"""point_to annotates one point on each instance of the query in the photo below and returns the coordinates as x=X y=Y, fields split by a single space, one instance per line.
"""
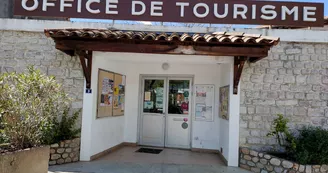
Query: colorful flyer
x=115 y=102
x=147 y=96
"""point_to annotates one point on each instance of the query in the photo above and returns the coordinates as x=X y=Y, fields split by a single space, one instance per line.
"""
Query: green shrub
x=311 y=146
x=62 y=128
x=28 y=104
x=282 y=134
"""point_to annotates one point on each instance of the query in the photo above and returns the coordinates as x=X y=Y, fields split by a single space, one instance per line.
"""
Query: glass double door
x=165 y=112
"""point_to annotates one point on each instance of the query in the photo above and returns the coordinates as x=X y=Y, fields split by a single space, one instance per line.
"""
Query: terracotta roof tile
x=210 y=38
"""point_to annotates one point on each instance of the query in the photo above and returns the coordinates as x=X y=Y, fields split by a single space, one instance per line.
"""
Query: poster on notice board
x=204 y=102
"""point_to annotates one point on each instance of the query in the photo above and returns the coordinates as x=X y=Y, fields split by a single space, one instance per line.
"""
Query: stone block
x=60 y=161
x=266 y=156
x=269 y=167
x=324 y=168
x=316 y=112
x=55 y=156
x=76 y=74
x=73 y=145
x=250 y=163
x=292 y=51
x=264 y=161
x=245 y=151
x=68 y=160
x=255 y=159
x=262 y=109
x=68 y=150
x=256 y=170
x=52 y=151
x=287 y=164
x=242 y=161
x=60 y=150
x=64 y=156
x=245 y=167
x=276 y=64
x=301 y=168
x=260 y=165
x=275 y=162
x=54 y=145
x=308 y=169
x=56 y=71
x=52 y=162
x=289 y=79
x=278 y=169
x=302 y=111
x=312 y=96
x=247 y=157
x=287 y=102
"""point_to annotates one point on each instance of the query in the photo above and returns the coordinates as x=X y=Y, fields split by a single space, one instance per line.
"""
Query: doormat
x=149 y=150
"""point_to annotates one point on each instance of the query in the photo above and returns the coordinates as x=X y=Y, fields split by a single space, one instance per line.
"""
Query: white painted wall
x=229 y=129
x=205 y=70
x=99 y=134
x=224 y=124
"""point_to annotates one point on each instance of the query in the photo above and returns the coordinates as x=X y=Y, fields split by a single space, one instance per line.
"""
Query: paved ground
x=126 y=160
x=102 y=166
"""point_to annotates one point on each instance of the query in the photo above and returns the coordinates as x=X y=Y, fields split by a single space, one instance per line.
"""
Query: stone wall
x=263 y=163
x=65 y=152
x=20 y=49
x=292 y=81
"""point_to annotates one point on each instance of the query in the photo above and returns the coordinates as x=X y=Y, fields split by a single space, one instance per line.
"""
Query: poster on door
x=204 y=102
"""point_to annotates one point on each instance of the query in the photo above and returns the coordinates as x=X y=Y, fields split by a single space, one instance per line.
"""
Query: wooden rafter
x=238 y=68
x=66 y=45
x=86 y=62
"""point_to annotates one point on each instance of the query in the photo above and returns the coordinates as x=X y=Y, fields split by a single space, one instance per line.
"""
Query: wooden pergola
x=82 y=42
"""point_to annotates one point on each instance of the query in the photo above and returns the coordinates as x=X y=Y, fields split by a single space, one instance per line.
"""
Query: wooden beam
x=86 y=65
x=238 y=69
x=159 y=48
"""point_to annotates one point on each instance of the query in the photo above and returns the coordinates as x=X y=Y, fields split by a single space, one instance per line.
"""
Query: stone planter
x=65 y=152
x=34 y=160
x=263 y=163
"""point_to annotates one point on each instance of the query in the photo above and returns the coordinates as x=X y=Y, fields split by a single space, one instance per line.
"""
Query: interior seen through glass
x=153 y=96
x=178 y=96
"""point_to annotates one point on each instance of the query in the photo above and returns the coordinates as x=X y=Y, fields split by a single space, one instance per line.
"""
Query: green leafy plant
x=28 y=104
x=311 y=146
x=62 y=128
x=282 y=134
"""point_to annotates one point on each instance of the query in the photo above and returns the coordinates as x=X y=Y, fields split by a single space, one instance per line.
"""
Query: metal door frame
x=190 y=110
x=141 y=99
x=166 y=78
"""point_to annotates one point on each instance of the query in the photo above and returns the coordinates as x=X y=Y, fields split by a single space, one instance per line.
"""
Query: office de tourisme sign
x=194 y=11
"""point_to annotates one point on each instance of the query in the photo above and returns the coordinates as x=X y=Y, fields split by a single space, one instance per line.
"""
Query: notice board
x=111 y=94
x=204 y=100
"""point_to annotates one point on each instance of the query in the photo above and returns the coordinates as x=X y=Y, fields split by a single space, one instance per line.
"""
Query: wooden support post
x=86 y=65
x=238 y=69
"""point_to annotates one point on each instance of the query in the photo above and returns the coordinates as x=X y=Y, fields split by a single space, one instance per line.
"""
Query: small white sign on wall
x=204 y=102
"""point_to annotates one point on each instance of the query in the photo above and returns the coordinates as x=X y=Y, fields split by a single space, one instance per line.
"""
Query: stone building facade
x=293 y=81
x=20 y=49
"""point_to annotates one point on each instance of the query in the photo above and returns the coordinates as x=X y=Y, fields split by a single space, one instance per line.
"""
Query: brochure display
x=204 y=102
x=111 y=94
